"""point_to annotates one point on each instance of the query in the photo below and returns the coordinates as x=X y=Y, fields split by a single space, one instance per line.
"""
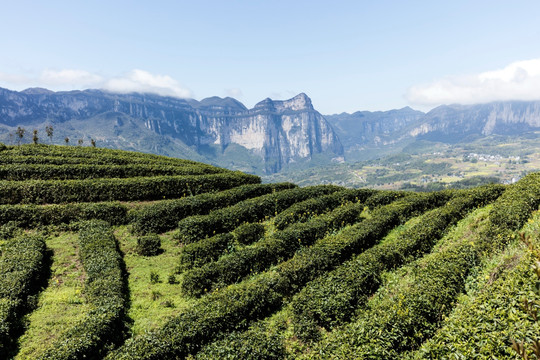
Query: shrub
x=413 y=314
x=272 y=250
x=197 y=227
x=29 y=216
x=207 y=250
x=105 y=289
x=40 y=171
x=303 y=211
x=236 y=306
x=164 y=215
x=483 y=326
x=171 y=279
x=248 y=233
x=148 y=245
x=332 y=298
x=250 y=345
x=8 y=230
x=154 y=277
x=21 y=264
x=92 y=190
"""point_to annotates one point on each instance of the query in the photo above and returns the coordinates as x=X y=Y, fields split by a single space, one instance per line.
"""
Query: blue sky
x=346 y=55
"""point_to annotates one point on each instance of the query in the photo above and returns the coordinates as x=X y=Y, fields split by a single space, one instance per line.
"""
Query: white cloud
x=234 y=93
x=14 y=79
x=143 y=81
x=71 y=79
x=519 y=80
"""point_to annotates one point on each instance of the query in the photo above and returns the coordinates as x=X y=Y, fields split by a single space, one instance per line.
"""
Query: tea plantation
x=107 y=254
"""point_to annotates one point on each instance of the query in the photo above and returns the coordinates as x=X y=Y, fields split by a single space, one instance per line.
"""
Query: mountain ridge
x=278 y=132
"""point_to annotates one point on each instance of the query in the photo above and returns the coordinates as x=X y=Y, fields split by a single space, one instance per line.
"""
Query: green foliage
x=403 y=321
x=54 y=154
x=150 y=188
x=248 y=345
x=165 y=215
x=514 y=208
x=230 y=309
x=154 y=277
x=412 y=315
x=303 y=211
x=29 y=216
x=197 y=227
x=202 y=252
x=236 y=306
x=148 y=245
x=301 y=264
x=248 y=233
x=485 y=323
x=105 y=290
x=92 y=171
x=332 y=298
x=171 y=279
x=8 y=229
x=21 y=264
x=270 y=251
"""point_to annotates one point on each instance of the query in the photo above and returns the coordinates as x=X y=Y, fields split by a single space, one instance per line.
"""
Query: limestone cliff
x=275 y=132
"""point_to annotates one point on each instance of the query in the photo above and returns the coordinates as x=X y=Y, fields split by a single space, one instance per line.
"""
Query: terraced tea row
x=130 y=189
x=22 y=261
x=239 y=269
x=84 y=171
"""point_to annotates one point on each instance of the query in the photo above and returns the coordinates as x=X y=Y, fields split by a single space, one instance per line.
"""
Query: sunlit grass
x=152 y=303
x=61 y=305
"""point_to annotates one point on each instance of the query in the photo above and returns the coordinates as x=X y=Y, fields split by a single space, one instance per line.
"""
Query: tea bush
x=332 y=298
x=22 y=261
x=164 y=215
x=92 y=190
x=105 y=289
x=148 y=245
x=304 y=210
x=197 y=227
x=270 y=251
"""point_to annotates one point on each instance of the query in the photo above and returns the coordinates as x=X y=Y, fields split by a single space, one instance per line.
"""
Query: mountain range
x=271 y=136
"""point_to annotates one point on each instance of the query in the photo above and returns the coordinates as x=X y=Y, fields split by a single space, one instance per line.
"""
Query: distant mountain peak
x=37 y=91
x=221 y=130
x=300 y=102
x=216 y=102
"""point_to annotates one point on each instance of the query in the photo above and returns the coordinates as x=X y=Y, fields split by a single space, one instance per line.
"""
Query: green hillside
x=107 y=254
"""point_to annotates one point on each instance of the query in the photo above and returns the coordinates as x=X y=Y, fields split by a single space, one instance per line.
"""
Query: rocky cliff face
x=375 y=128
x=275 y=132
x=453 y=123
x=447 y=123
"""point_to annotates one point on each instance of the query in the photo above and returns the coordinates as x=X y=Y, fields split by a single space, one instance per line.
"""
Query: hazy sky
x=345 y=55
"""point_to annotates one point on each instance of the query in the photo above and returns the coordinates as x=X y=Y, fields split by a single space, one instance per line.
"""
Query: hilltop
x=124 y=255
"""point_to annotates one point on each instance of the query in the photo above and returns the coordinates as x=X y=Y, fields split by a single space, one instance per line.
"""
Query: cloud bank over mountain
x=519 y=80
x=68 y=79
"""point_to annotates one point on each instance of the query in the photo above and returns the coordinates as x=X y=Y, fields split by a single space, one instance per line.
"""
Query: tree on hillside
x=20 y=133
x=49 y=130
x=66 y=139
x=93 y=142
x=35 y=137
x=80 y=142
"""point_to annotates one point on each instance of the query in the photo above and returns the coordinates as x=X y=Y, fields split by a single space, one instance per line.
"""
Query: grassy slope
x=62 y=303
x=151 y=303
